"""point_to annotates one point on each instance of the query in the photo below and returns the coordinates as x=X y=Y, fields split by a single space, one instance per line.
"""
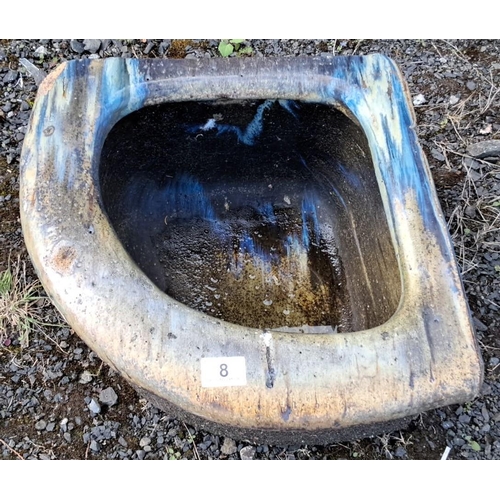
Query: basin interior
x=264 y=213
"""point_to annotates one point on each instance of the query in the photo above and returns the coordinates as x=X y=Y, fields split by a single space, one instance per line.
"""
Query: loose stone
x=11 y=76
x=41 y=51
x=95 y=446
x=247 y=453
x=464 y=419
x=228 y=447
x=40 y=425
x=85 y=377
x=94 y=406
x=144 y=442
x=91 y=45
x=77 y=46
x=484 y=149
x=108 y=396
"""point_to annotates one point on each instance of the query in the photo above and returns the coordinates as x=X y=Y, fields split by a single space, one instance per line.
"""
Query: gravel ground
x=59 y=401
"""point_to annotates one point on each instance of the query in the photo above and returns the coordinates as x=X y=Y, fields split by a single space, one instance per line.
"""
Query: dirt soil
x=55 y=397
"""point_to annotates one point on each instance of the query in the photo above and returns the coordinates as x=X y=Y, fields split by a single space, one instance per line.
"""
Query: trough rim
x=423 y=357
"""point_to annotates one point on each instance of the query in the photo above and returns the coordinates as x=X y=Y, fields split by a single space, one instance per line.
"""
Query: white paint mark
x=267 y=338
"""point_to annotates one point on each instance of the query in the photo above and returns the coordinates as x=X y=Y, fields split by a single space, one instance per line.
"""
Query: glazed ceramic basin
x=256 y=245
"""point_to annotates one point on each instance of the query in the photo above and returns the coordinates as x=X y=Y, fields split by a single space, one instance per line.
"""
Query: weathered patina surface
x=423 y=357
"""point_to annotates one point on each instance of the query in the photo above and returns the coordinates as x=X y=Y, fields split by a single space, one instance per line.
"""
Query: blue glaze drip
x=247 y=245
x=349 y=176
x=267 y=211
x=310 y=215
x=122 y=90
x=381 y=106
x=293 y=246
x=289 y=106
x=116 y=89
x=247 y=136
x=184 y=197
x=323 y=179
x=250 y=249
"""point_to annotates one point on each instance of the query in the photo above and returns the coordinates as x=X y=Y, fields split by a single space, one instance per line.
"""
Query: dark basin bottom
x=266 y=214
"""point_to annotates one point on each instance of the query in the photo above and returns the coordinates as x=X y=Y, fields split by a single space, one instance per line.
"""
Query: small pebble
x=10 y=76
x=77 y=46
x=485 y=414
x=91 y=45
x=40 y=425
x=108 y=396
x=85 y=377
x=144 y=442
x=479 y=325
x=465 y=419
x=400 y=452
x=419 y=100
x=484 y=149
x=41 y=51
x=94 y=406
x=228 y=447
x=247 y=453
x=95 y=446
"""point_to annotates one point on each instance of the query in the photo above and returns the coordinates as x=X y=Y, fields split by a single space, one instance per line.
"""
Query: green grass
x=21 y=305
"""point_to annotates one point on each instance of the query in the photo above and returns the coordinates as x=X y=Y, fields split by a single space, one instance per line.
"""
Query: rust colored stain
x=50 y=79
x=63 y=259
